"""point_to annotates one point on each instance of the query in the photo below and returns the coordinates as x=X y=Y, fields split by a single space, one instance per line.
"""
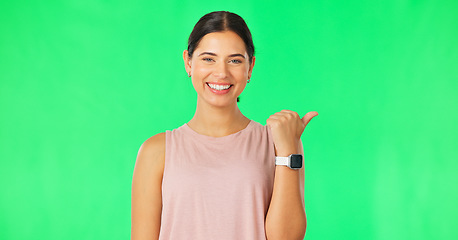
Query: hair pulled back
x=220 y=21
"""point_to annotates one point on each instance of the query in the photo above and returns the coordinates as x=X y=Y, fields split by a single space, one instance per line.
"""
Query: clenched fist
x=287 y=128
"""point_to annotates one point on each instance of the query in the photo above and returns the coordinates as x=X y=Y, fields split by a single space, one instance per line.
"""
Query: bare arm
x=286 y=215
x=147 y=189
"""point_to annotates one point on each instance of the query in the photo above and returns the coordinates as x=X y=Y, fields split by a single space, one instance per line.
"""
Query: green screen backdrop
x=84 y=83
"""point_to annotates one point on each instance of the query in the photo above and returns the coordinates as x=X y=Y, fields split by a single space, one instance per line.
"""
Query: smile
x=219 y=88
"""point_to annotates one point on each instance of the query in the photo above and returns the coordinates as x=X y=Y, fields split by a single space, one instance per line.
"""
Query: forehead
x=222 y=42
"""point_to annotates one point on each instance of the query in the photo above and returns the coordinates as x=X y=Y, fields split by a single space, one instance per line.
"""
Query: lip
x=218 y=92
x=219 y=83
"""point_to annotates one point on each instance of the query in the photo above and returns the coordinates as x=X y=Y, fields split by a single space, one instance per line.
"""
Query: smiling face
x=219 y=67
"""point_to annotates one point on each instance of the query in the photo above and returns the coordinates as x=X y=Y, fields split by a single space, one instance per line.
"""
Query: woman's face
x=219 y=68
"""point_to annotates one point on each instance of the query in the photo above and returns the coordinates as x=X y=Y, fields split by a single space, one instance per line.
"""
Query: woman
x=215 y=177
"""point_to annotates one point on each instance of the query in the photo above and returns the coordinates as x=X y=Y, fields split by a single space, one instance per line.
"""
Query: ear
x=187 y=61
x=251 y=67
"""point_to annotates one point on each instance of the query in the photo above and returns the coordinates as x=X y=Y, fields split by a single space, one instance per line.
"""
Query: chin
x=221 y=102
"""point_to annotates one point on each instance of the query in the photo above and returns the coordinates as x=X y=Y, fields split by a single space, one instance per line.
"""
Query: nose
x=220 y=70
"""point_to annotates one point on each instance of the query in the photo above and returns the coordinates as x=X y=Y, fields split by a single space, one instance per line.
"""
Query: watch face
x=296 y=161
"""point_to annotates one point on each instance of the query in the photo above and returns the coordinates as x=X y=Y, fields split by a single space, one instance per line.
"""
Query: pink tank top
x=217 y=188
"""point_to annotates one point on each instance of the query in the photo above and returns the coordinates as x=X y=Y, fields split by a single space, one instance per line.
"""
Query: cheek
x=202 y=69
x=240 y=73
x=197 y=85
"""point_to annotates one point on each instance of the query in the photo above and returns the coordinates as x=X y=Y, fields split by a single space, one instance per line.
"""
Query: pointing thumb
x=306 y=119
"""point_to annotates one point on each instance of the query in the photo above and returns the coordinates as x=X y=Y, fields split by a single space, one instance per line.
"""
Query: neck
x=217 y=121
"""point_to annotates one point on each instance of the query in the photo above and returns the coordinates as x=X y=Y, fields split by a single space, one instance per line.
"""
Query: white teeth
x=219 y=87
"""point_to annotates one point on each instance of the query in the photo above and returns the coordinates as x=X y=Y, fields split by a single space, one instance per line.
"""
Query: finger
x=272 y=119
x=306 y=119
x=289 y=114
x=279 y=115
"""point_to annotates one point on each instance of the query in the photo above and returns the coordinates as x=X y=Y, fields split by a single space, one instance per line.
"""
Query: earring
x=189 y=74
x=248 y=80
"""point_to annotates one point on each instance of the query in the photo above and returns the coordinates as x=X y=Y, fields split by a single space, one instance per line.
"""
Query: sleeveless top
x=217 y=187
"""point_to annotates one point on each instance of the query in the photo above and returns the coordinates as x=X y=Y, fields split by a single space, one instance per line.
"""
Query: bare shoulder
x=154 y=144
x=151 y=154
x=146 y=188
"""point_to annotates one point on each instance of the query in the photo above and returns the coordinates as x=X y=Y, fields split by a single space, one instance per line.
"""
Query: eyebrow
x=214 y=54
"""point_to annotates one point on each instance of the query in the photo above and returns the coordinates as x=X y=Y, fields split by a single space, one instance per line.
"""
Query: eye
x=236 y=61
x=207 y=59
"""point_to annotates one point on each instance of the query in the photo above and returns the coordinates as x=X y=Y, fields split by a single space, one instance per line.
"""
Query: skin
x=221 y=57
x=218 y=115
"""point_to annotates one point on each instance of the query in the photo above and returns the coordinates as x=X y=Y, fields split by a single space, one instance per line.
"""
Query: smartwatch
x=293 y=161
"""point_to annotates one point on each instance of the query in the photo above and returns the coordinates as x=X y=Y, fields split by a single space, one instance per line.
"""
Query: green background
x=84 y=83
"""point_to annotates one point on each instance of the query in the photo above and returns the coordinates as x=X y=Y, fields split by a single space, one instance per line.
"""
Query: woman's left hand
x=287 y=128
